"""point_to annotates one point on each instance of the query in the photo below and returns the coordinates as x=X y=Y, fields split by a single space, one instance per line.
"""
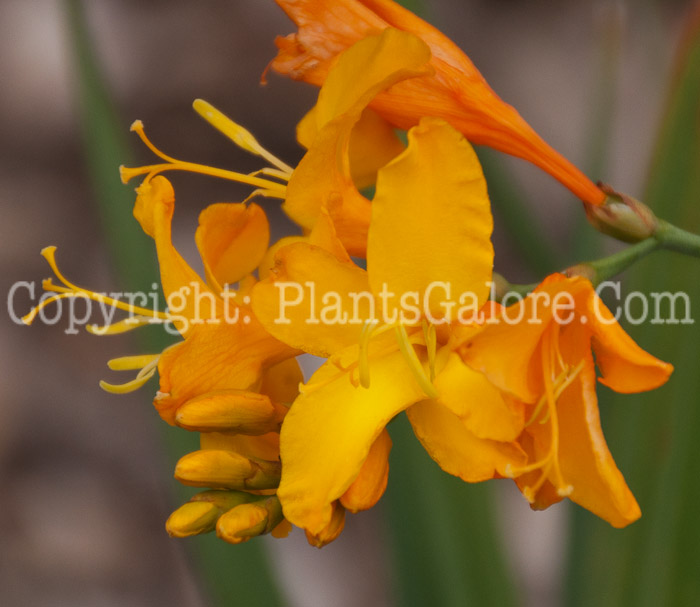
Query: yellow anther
x=273 y=188
x=238 y=134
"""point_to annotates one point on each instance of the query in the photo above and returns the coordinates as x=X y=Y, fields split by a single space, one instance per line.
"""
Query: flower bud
x=332 y=530
x=192 y=518
x=229 y=411
x=622 y=217
x=226 y=470
x=250 y=520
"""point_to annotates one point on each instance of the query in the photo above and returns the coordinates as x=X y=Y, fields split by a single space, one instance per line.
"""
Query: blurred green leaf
x=654 y=436
x=447 y=548
x=234 y=574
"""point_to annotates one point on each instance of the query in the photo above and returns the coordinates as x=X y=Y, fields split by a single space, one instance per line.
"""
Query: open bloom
x=455 y=91
x=540 y=351
x=333 y=438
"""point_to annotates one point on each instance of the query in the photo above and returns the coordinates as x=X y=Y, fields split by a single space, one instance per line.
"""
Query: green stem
x=675 y=239
x=607 y=267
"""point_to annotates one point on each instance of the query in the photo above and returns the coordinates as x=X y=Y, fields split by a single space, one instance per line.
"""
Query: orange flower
x=456 y=91
x=541 y=351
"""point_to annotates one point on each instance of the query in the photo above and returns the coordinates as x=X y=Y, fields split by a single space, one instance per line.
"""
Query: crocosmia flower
x=543 y=351
x=455 y=91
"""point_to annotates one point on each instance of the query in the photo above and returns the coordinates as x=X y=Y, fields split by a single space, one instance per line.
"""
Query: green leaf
x=446 y=545
x=654 y=436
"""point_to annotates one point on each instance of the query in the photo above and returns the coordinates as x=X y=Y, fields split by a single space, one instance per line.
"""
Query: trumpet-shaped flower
x=548 y=364
x=455 y=90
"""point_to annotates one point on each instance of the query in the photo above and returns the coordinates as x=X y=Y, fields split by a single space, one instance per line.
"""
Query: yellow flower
x=548 y=364
x=431 y=221
x=455 y=91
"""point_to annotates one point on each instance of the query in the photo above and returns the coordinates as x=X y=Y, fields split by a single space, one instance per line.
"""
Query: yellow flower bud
x=226 y=470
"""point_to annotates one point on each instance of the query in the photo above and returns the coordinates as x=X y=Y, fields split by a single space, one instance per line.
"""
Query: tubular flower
x=455 y=91
x=549 y=365
x=384 y=362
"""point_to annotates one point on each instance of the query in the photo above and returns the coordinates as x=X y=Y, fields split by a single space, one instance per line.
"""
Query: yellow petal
x=329 y=430
x=369 y=486
x=485 y=411
x=323 y=175
x=431 y=220
x=306 y=303
x=370 y=66
x=373 y=143
x=456 y=449
x=232 y=240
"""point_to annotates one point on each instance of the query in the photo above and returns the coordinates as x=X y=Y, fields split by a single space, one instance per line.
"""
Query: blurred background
x=87 y=477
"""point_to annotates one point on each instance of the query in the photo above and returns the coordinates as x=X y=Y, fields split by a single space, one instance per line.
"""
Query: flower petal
x=293 y=302
x=366 y=490
x=484 y=410
x=586 y=462
x=324 y=173
x=186 y=293
x=232 y=239
x=223 y=356
x=329 y=430
x=434 y=192
x=456 y=449
x=624 y=366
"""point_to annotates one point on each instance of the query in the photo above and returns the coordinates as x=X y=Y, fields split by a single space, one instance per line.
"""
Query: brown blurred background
x=86 y=484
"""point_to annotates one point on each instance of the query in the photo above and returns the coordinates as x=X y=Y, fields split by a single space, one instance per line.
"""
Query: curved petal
x=624 y=365
x=367 y=489
x=586 y=462
x=232 y=239
x=483 y=409
x=328 y=433
x=437 y=189
x=370 y=66
x=456 y=449
x=373 y=143
x=307 y=303
x=187 y=295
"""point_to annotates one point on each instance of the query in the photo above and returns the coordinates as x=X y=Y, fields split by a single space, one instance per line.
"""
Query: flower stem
x=675 y=239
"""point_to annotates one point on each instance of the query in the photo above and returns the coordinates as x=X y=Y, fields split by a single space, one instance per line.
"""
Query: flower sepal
x=622 y=217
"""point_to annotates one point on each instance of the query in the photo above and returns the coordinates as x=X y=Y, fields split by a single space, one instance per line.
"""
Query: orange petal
x=232 y=240
x=586 y=462
x=224 y=356
x=624 y=365
x=187 y=295
x=366 y=490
